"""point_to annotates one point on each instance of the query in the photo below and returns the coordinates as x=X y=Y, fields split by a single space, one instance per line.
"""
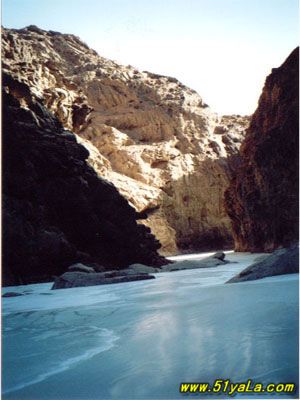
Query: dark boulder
x=219 y=255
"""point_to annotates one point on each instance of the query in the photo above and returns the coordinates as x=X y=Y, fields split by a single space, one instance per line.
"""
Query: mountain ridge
x=150 y=135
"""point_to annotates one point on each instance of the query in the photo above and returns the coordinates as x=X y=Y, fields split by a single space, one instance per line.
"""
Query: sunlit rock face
x=56 y=210
x=153 y=137
x=262 y=200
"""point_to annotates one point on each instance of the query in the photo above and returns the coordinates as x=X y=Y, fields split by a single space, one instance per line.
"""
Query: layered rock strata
x=153 y=137
x=262 y=200
x=56 y=210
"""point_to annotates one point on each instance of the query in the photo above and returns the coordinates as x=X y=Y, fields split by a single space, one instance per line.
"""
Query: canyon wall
x=151 y=136
x=262 y=200
x=56 y=210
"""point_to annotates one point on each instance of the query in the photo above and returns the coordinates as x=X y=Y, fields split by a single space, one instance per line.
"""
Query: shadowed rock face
x=56 y=210
x=262 y=200
x=152 y=137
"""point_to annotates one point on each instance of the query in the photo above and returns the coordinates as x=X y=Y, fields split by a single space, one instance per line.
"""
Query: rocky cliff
x=262 y=200
x=153 y=137
x=56 y=210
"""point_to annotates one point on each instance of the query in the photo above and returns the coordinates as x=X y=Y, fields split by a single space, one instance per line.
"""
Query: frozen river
x=140 y=340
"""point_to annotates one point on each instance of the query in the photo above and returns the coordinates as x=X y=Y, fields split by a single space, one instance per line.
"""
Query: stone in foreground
x=82 y=279
x=281 y=262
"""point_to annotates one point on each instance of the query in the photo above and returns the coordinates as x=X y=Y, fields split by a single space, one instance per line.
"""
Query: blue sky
x=222 y=48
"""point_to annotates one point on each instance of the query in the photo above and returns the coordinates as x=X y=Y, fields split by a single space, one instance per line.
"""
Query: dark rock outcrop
x=219 y=255
x=262 y=200
x=56 y=210
x=281 y=262
x=81 y=279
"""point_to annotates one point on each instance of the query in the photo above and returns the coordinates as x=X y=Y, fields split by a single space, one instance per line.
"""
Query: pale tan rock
x=150 y=135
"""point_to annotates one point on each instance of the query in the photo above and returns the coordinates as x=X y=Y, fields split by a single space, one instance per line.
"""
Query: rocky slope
x=56 y=210
x=262 y=200
x=154 y=138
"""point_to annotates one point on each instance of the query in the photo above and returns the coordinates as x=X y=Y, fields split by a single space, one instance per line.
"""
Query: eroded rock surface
x=262 y=200
x=153 y=137
x=56 y=210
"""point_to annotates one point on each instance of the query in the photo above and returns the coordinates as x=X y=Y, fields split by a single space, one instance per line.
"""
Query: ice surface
x=199 y=256
x=140 y=340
